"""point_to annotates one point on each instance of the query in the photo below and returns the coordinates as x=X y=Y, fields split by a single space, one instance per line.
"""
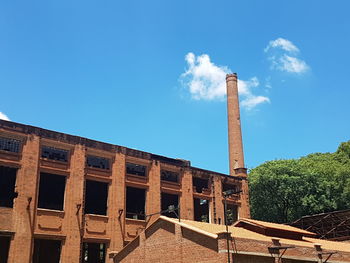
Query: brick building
x=250 y=241
x=65 y=198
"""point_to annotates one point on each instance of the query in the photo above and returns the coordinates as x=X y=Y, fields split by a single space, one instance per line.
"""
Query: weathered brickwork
x=26 y=223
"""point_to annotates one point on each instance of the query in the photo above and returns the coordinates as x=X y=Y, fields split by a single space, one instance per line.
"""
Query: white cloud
x=3 y=116
x=292 y=64
x=282 y=43
x=287 y=60
x=207 y=81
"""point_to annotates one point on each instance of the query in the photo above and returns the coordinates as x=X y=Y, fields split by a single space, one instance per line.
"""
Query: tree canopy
x=285 y=190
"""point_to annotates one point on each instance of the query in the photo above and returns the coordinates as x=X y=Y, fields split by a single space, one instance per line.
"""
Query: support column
x=186 y=199
x=153 y=204
x=73 y=214
x=25 y=204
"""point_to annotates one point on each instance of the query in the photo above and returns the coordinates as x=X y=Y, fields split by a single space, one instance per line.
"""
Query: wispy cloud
x=282 y=43
x=206 y=81
x=3 y=116
x=283 y=55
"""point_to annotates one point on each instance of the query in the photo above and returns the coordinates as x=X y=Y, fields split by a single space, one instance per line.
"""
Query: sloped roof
x=213 y=230
x=274 y=226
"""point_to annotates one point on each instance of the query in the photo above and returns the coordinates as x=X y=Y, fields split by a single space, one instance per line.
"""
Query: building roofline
x=74 y=139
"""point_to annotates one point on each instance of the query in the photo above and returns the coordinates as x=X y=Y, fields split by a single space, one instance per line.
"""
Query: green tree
x=284 y=190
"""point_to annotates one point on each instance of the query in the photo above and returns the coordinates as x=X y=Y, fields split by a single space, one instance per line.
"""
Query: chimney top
x=230 y=76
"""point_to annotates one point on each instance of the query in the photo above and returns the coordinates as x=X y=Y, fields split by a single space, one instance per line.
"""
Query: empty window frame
x=136 y=169
x=135 y=203
x=46 y=250
x=7 y=186
x=96 y=195
x=51 y=191
x=231 y=214
x=94 y=253
x=200 y=183
x=201 y=210
x=54 y=154
x=97 y=162
x=4 y=248
x=228 y=186
x=10 y=145
x=168 y=200
x=169 y=176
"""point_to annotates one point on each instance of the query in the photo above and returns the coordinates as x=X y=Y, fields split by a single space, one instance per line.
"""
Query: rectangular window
x=51 y=191
x=227 y=186
x=4 y=248
x=97 y=162
x=169 y=176
x=54 y=154
x=96 y=196
x=9 y=145
x=46 y=250
x=169 y=200
x=7 y=186
x=136 y=169
x=201 y=210
x=135 y=203
x=94 y=253
x=232 y=214
x=200 y=183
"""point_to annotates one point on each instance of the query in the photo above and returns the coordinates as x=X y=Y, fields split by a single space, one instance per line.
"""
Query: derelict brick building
x=71 y=199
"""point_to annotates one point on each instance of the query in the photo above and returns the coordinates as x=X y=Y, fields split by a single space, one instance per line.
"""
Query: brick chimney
x=235 y=145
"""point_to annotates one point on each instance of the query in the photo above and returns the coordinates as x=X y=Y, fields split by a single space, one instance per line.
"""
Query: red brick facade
x=25 y=224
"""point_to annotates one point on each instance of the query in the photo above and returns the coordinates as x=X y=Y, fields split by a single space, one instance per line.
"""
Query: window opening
x=169 y=176
x=135 y=203
x=167 y=200
x=94 y=252
x=54 y=154
x=96 y=196
x=232 y=214
x=201 y=210
x=7 y=186
x=227 y=186
x=200 y=184
x=97 y=162
x=9 y=145
x=4 y=248
x=51 y=191
x=135 y=169
x=46 y=250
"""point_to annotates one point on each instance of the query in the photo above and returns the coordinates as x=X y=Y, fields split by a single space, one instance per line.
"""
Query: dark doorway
x=94 y=253
x=201 y=210
x=51 y=191
x=4 y=248
x=135 y=203
x=167 y=200
x=96 y=197
x=7 y=186
x=46 y=251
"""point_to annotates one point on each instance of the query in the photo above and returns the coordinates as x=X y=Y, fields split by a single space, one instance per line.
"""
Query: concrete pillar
x=23 y=211
x=72 y=223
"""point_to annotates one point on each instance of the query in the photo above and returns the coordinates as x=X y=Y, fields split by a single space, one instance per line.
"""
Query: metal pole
x=227 y=233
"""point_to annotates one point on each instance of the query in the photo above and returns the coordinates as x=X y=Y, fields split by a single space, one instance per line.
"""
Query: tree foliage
x=284 y=190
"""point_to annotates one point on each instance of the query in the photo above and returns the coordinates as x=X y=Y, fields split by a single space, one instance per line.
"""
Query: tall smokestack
x=235 y=143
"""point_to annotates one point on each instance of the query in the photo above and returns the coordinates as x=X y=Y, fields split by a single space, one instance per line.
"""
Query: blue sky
x=147 y=74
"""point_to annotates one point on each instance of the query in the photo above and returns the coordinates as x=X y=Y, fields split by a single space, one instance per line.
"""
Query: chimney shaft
x=235 y=143
x=234 y=125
